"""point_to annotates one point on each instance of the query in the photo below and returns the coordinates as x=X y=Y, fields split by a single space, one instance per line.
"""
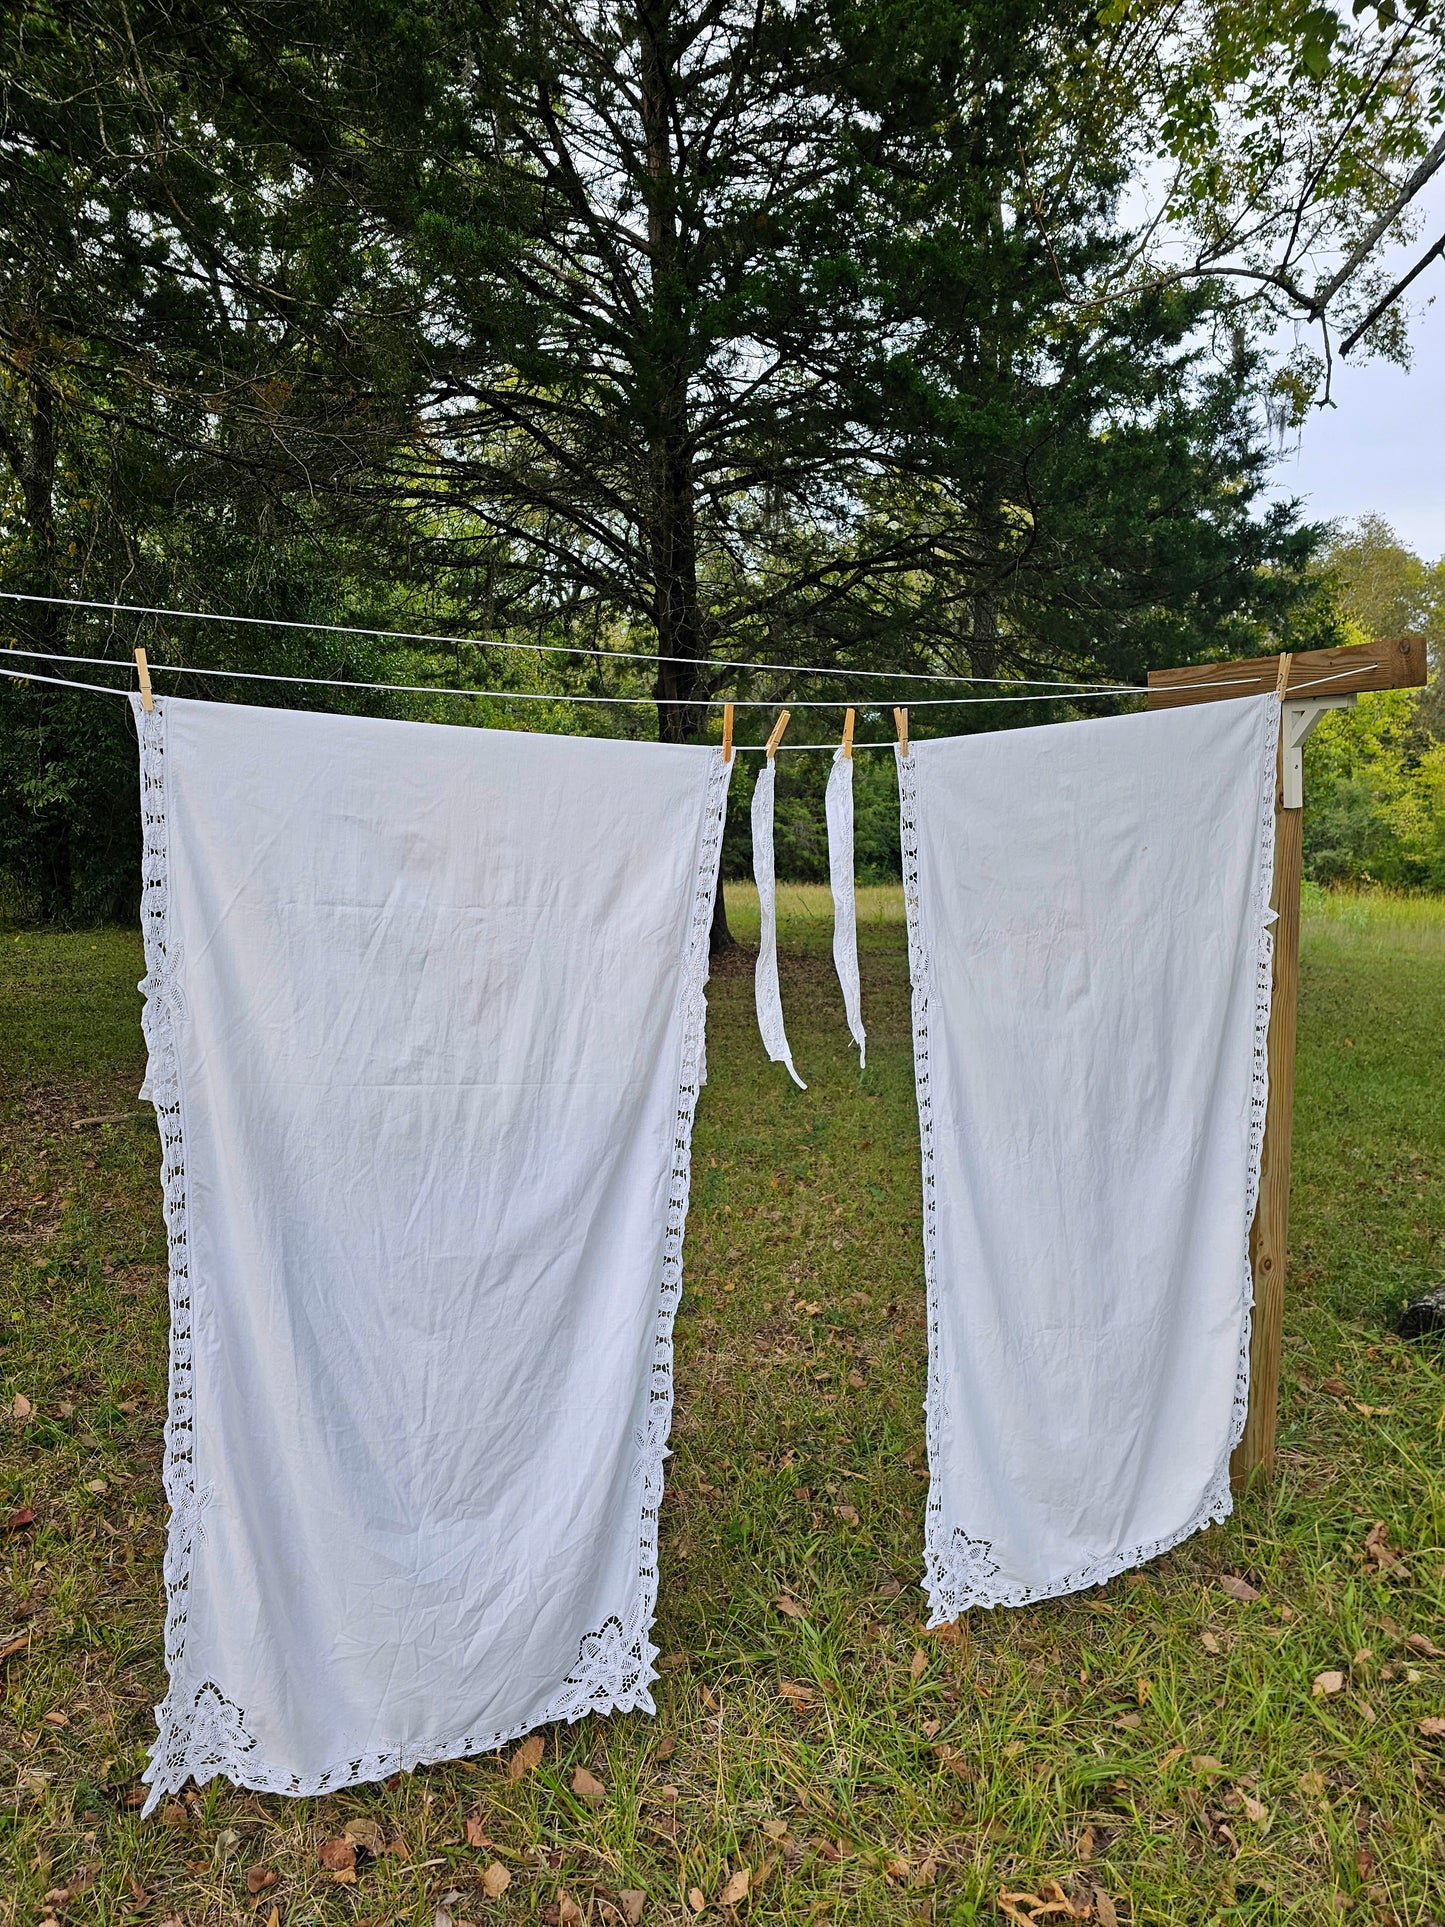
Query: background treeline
x=926 y=338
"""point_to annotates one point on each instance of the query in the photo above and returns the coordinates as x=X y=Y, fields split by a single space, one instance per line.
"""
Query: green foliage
x=1375 y=774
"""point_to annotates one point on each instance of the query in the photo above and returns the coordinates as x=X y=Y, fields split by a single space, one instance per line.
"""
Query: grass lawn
x=1156 y=1747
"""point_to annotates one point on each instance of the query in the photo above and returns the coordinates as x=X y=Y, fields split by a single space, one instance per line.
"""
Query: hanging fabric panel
x=1088 y=919
x=766 y=994
x=425 y=1017
x=838 y=809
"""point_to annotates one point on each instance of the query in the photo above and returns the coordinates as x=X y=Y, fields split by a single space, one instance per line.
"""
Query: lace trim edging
x=959 y=1570
x=200 y=1732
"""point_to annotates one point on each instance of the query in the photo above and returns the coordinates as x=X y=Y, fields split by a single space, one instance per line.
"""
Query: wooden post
x=1312 y=672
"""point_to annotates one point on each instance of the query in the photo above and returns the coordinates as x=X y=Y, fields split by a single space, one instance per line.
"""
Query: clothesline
x=526 y=648
x=539 y=696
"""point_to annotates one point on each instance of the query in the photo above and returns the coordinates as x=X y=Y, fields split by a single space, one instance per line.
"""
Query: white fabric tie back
x=766 y=993
x=1088 y=922
x=838 y=808
x=425 y=1017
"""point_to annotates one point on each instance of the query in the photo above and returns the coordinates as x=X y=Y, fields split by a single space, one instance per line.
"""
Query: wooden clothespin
x=727 y=732
x=848 y=735
x=1286 y=663
x=900 y=718
x=142 y=669
x=777 y=736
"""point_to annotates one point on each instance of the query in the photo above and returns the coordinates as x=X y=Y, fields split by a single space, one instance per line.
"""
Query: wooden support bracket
x=1318 y=679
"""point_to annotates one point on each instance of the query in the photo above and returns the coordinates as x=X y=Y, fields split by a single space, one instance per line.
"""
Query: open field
x=1157 y=1747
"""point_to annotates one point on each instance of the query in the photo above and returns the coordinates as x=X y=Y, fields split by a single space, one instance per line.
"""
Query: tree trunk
x=53 y=869
x=682 y=684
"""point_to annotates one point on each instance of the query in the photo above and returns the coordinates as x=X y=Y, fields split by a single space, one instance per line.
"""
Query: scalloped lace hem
x=202 y=1733
x=959 y=1571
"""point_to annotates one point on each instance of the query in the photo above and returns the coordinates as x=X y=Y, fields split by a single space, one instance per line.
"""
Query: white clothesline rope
x=526 y=648
x=537 y=696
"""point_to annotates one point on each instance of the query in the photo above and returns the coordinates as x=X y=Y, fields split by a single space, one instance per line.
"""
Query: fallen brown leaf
x=22 y=1516
x=569 y=1914
x=258 y=1879
x=665 y=1747
x=367 y=1834
x=633 y=1900
x=785 y=1603
x=495 y=1880
x=1104 y=1910
x=1336 y=1387
x=1237 y=1588
x=589 y=1788
x=695 y=1899
x=1326 y=1683
x=336 y=1855
x=527 y=1758
x=895 y=1867
x=798 y=1697
x=1254 y=1810
x=21 y=1407
x=1312 y=1783
x=1206 y=1763
x=1433 y=1729
x=918 y=1665
x=475 y=1830
x=736 y=1889
x=775 y=1829
x=1417 y=1642
x=1210 y=1643
x=1085 y=1844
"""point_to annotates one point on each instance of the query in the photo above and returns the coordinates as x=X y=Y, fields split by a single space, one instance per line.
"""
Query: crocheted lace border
x=959 y=1570
x=200 y=1731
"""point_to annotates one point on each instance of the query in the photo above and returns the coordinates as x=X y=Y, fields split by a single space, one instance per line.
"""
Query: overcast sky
x=1382 y=446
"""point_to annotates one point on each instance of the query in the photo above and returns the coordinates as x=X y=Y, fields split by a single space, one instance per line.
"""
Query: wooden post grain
x=1269 y=1238
x=1355 y=670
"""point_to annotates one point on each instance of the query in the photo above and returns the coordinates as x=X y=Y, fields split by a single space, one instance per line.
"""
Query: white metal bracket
x=1298 y=717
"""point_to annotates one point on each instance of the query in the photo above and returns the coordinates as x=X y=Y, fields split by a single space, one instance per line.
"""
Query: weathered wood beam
x=1348 y=671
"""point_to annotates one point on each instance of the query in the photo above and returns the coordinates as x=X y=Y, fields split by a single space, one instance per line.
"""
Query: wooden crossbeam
x=1348 y=671
x=1312 y=673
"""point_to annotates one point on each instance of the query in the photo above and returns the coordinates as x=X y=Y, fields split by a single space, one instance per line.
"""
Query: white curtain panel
x=1089 y=931
x=425 y=1019
x=838 y=809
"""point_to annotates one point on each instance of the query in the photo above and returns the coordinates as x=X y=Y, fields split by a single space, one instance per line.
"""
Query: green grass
x=1153 y=1740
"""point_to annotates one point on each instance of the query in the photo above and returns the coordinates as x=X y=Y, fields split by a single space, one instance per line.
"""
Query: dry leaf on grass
x=527 y=1758
x=589 y=1788
x=1104 y=1909
x=737 y=1888
x=775 y=1829
x=21 y=1517
x=800 y=1698
x=633 y=1900
x=569 y=1914
x=1206 y=1763
x=695 y=1899
x=1210 y=1643
x=365 y=1833
x=475 y=1829
x=1380 y=1556
x=337 y=1856
x=1417 y=1642
x=794 y=1609
x=1313 y=1784
x=21 y=1407
x=665 y=1747
x=1255 y=1810
x=1326 y=1683
x=495 y=1880
x=918 y=1665
x=1237 y=1588
x=1433 y=1729
x=258 y=1879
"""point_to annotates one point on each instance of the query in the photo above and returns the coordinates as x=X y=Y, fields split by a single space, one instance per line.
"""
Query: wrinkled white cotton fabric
x=425 y=1011
x=838 y=809
x=767 y=998
x=1088 y=910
